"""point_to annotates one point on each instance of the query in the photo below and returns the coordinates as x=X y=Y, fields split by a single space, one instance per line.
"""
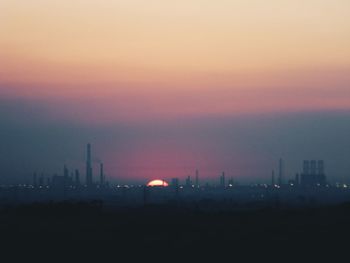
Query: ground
x=88 y=231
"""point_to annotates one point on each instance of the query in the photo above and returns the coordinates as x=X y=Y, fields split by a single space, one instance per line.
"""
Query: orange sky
x=170 y=58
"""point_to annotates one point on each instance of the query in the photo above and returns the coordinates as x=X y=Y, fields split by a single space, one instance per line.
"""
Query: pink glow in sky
x=136 y=62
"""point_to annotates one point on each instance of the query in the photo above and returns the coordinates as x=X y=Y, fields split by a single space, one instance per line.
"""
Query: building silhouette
x=41 y=181
x=65 y=172
x=297 y=179
x=313 y=173
x=231 y=182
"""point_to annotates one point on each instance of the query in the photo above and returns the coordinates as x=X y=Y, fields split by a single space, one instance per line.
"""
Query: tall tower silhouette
x=222 y=180
x=102 y=176
x=88 y=166
x=280 y=172
x=197 y=178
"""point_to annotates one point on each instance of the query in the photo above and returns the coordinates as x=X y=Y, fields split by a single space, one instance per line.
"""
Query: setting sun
x=158 y=182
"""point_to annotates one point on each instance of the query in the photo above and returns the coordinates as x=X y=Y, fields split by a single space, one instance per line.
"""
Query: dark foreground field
x=75 y=232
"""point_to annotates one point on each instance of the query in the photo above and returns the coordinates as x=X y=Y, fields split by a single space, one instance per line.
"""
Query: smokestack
x=101 y=175
x=188 y=181
x=88 y=166
x=197 y=178
x=77 y=178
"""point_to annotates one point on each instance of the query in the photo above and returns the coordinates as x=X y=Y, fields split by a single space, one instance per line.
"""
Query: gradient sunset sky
x=163 y=87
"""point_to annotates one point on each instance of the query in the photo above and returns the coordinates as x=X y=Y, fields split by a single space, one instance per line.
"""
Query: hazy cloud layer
x=246 y=147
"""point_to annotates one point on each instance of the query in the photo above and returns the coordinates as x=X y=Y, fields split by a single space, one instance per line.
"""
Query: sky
x=161 y=88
